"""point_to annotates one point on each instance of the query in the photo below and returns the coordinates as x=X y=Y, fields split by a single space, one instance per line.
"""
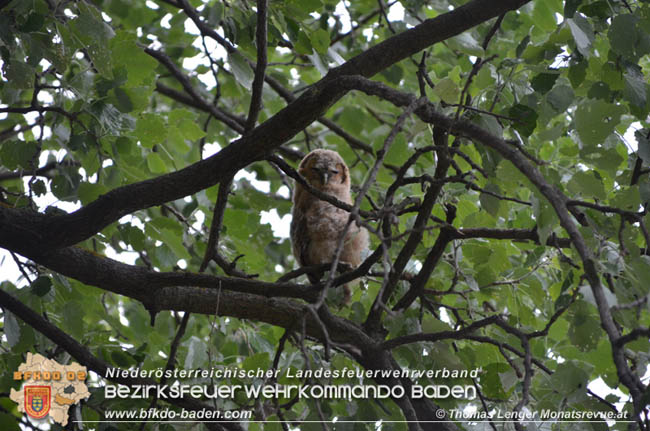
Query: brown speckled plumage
x=316 y=225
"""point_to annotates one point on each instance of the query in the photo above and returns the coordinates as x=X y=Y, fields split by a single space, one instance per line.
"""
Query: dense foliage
x=501 y=150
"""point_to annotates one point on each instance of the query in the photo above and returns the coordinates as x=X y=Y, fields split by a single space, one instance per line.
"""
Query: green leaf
x=90 y=28
x=190 y=130
x=156 y=164
x=352 y=119
x=582 y=32
x=489 y=123
x=644 y=190
x=544 y=82
x=640 y=271
x=320 y=41
x=545 y=217
x=584 y=330
x=259 y=361
x=544 y=17
x=33 y=23
x=525 y=119
x=521 y=48
x=135 y=237
x=570 y=376
x=447 y=90
x=570 y=7
x=150 y=129
x=596 y=119
x=622 y=34
x=599 y=9
x=89 y=192
x=39 y=188
x=20 y=74
x=73 y=315
x=635 y=87
x=577 y=73
x=122 y=100
x=176 y=140
x=303 y=44
x=41 y=286
x=492 y=381
x=64 y=186
x=175 y=243
x=94 y=33
x=484 y=78
x=466 y=44
x=240 y=68
x=627 y=198
x=587 y=184
x=16 y=154
x=121 y=359
x=124 y=145
x=561 y=97
x=140 y=67
x=305 y=7
x=178 y=115
x=489 y=202
x=599 y=90
x=643 y=144
x=398 y=152
x=608 y=160
x=196 y=353
x=430 y=324
x=393 y=74
x=11 y=329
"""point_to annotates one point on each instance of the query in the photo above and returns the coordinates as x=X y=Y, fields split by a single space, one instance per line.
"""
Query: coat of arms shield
x=37 y=401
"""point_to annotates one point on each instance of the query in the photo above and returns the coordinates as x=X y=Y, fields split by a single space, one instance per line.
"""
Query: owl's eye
x=334 y=171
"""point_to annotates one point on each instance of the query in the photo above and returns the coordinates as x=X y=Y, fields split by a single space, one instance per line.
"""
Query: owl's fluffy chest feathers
x=323 y=219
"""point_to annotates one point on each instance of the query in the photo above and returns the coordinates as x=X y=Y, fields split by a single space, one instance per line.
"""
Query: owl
x=316 y=225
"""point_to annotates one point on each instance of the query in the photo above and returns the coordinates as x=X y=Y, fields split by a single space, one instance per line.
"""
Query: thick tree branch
x=142 y=283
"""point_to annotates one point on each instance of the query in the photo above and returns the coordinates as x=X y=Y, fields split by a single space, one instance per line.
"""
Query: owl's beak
x=324 y=177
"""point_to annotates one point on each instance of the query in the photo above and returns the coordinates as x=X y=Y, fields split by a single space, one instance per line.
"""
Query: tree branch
x=190 y=90
x=260 y=67
x=42 y=171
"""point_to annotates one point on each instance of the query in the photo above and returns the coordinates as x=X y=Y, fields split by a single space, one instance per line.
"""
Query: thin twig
x=260 y=67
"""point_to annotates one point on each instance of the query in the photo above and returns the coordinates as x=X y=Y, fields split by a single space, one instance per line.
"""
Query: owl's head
x=325 y=170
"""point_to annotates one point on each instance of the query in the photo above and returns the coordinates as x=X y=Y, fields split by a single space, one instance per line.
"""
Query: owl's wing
x=301 y=242
x=300 y=238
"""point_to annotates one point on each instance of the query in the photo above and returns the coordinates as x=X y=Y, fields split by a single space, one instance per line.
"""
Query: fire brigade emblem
x=37 y=401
